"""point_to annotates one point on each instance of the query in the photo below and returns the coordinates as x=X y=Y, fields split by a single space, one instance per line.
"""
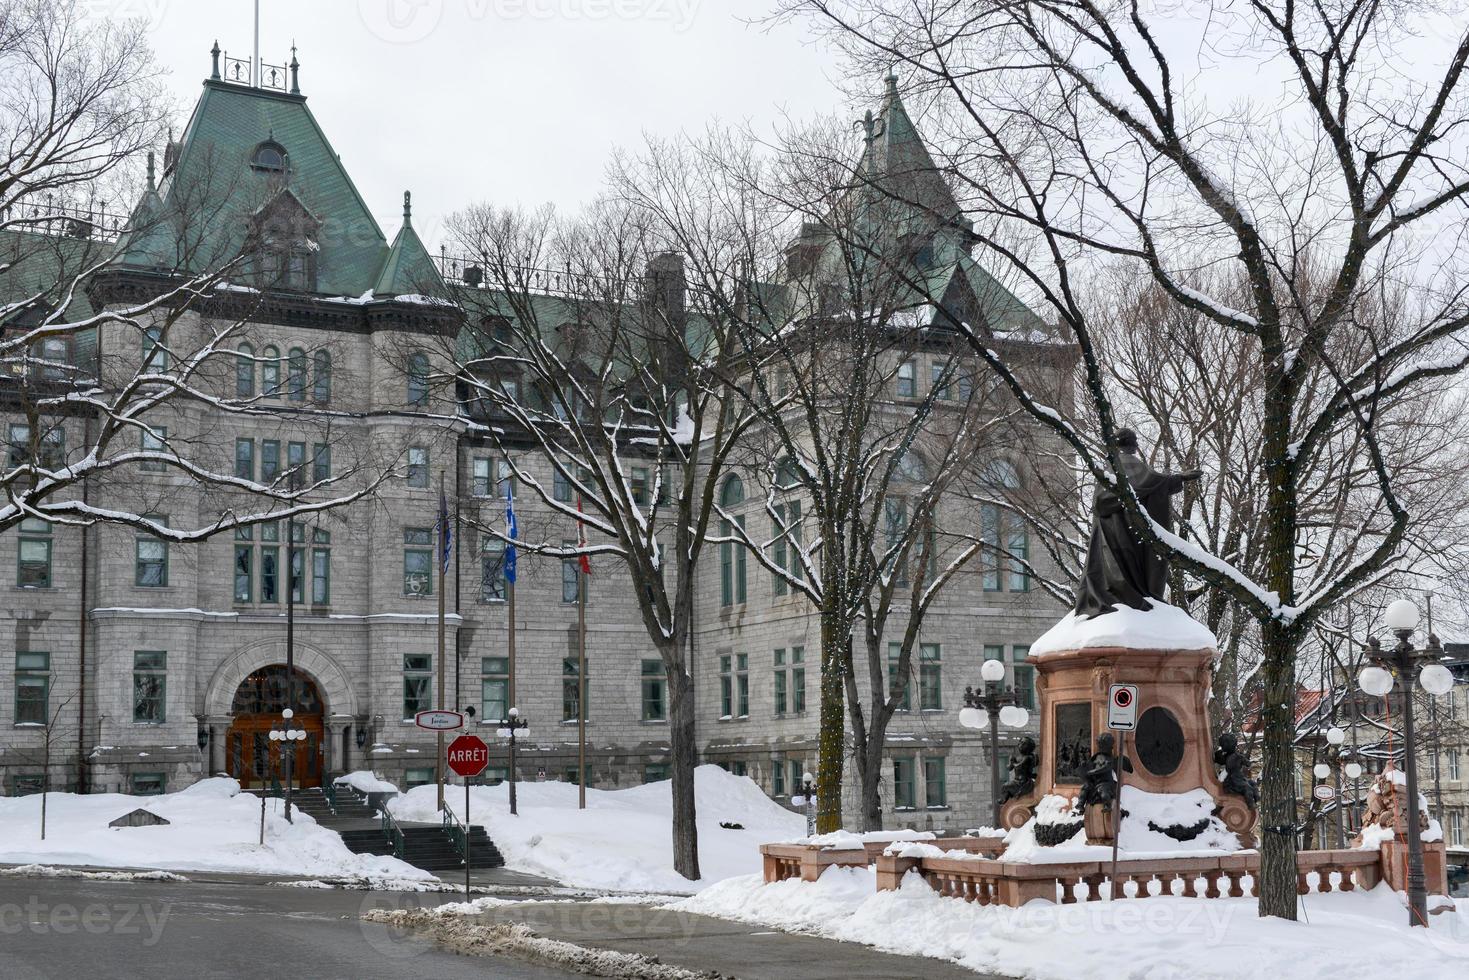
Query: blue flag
x=446 y=533
x=511 y=532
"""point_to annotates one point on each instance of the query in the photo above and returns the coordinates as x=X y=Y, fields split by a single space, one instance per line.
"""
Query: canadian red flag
x=584 y=560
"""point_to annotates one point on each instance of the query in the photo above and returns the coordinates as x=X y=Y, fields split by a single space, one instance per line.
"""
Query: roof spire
x=407 y=206
x=214 y=56
x=295 y=71
x=150 y=170
x=892 y=80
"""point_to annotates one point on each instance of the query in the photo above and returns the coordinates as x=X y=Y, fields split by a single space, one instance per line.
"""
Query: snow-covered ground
x=1338 y=935
x=211 y=828
x=623 y=840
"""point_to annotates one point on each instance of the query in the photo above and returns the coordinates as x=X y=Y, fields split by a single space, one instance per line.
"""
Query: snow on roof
x=1163 y=627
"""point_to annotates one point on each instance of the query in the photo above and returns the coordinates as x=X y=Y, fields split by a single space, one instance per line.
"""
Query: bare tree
x=1078 y=128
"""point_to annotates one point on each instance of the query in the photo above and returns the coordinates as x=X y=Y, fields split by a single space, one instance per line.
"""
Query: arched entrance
x=250 y=755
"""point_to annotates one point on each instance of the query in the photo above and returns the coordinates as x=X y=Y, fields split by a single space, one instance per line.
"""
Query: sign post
x=1121 y=718
x=468 y=755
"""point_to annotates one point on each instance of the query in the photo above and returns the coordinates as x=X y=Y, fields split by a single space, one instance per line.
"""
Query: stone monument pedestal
x=1171 y=751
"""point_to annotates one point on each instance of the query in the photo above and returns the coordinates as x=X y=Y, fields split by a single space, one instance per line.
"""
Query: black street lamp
x=1410 y=663
x=511 y=723
x=808 y=801
x=1001 y=704
x=288 y=734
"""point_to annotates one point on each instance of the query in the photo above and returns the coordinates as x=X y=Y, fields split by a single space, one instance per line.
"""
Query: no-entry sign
x=1122 y=707
x=468 y=755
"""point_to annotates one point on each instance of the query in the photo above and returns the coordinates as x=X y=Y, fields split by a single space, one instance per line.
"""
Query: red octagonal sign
x=468 y=755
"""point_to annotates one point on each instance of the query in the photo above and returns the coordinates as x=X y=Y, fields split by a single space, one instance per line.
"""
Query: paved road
x=69 y=929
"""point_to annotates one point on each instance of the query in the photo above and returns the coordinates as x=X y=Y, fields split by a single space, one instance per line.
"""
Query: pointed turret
x=409 y=270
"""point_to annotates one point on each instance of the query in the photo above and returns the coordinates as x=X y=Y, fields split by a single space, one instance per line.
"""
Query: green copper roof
x=212 y=190
x=409 y=269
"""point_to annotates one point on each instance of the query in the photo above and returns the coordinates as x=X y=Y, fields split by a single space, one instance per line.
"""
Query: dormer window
x=269 y=156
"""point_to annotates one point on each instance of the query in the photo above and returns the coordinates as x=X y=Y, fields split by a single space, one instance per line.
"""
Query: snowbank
x=211 y=828
x=365 y=782
x=1138 y=841
x=1163 y=627
x=1169 y=938
x=846 y=840
x=623 y=839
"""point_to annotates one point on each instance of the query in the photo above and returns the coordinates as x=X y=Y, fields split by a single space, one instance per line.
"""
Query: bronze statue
x=1099 y=777
x=1236 y=770
x=1120 y=569
x=1022 y=771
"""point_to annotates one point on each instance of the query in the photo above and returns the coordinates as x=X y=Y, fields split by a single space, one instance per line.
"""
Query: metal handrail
x=329 y=793
x=394 y=832
x=457 y=832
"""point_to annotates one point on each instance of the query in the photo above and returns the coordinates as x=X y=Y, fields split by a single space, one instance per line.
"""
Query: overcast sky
x=509 y=101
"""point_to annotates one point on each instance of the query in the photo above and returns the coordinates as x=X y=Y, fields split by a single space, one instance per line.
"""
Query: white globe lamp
x=1375 y=681
x=1322 y=770
x=1436 y=679
x=1401 y=616
x=288 y=714
x=1013 y=716
x=1353 y=770
x=992 y=671
x=971 y=717
x=1335 y=735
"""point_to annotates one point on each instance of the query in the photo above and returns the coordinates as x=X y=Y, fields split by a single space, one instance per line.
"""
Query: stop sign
x=468 y=755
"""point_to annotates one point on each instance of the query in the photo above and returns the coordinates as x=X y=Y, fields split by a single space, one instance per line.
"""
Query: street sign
x=1122 y=707
x=1324 y=793
x=468 y=755
x=439 y=721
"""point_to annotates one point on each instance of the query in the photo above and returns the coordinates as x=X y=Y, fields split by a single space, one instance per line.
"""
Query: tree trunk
x=685 y=753
x=870 y=773
x=831 y=736
x=1277 y=787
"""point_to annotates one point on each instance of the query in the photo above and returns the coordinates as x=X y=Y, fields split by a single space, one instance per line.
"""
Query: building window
x=155 y=354
x=899 y=683
x=655 y=691
x=572 y=580
x=787 y=531
x=782 y=698
x=32 y=687
x=726 y=687
x=270 y=157
x=1454 y=765
x=640 y=486
x=417 y=777
x=654 y=772
x=1018 y=546
x=150 y=683
x=417 y=466
x=734 y=686
x=27 y=784
x=798 y=679
x=935 y=787
x=154 y=440
x=907 y=380
x=296 y=461
x=732 y=588
x=244 y=568
x=494 y=687
x=321 y=462
x=52 y=449
x=150 y=565
x=245 y=459
x=492 y=569
x=418 y=561
x=321 y=567
x=742 y=685
x=1456 y=829
x=1024 y=675
x=480 y=477
x=418 y=684
x=296 y=375
x=245 y=372
x=148 y=783
x=895 y=526
x=321 y=377
x=903 y=789
x=777 y=778
x=571 y=691
x=270 y=563
x=561 y=486
x=33 y=554
x=569 y=775
x=930 y=678
x=270 y=460
x=989 y=536
x=270 y=372
x=418 y=379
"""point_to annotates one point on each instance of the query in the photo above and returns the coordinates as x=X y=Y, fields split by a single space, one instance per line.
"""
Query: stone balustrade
x=808 y=861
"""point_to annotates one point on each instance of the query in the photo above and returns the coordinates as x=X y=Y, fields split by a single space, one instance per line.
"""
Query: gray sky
x=509 y=101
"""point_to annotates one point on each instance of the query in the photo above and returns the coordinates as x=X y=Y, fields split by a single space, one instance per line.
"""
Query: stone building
x=146 y=664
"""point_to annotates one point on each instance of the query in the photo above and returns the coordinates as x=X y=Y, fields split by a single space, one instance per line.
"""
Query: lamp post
x=513 y=724
x=808 y=797
x=1410 y=663
x=1001 y=704
x=288 y=734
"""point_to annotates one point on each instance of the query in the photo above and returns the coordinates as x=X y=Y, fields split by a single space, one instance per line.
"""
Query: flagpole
x=583 y=568
x=510 y=532
x=439 y=561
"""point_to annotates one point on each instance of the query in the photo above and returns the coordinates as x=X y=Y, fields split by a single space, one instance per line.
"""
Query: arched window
x=270 y=372
x=786 y=474
x=245 y=372
x=296 y=374
x=321 y=390
x=418 y=379
x=269 y=156
x=732 y=580
x=911 y=468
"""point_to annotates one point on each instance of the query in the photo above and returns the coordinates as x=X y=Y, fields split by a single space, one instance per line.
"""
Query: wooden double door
x=250 y=754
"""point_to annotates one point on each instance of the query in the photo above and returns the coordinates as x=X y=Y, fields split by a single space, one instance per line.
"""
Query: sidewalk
x=734 y=949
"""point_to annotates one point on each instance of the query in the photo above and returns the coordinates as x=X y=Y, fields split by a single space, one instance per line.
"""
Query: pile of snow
x=211 y=827
x=846 y=840
x=623 y=840
x=1170 y=938
x=1171 y=810
x=365 y=782
x=1163 y=627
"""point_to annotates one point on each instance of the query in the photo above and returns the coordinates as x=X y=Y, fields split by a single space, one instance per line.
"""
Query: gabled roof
x=897 y=160
x=211 y=189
